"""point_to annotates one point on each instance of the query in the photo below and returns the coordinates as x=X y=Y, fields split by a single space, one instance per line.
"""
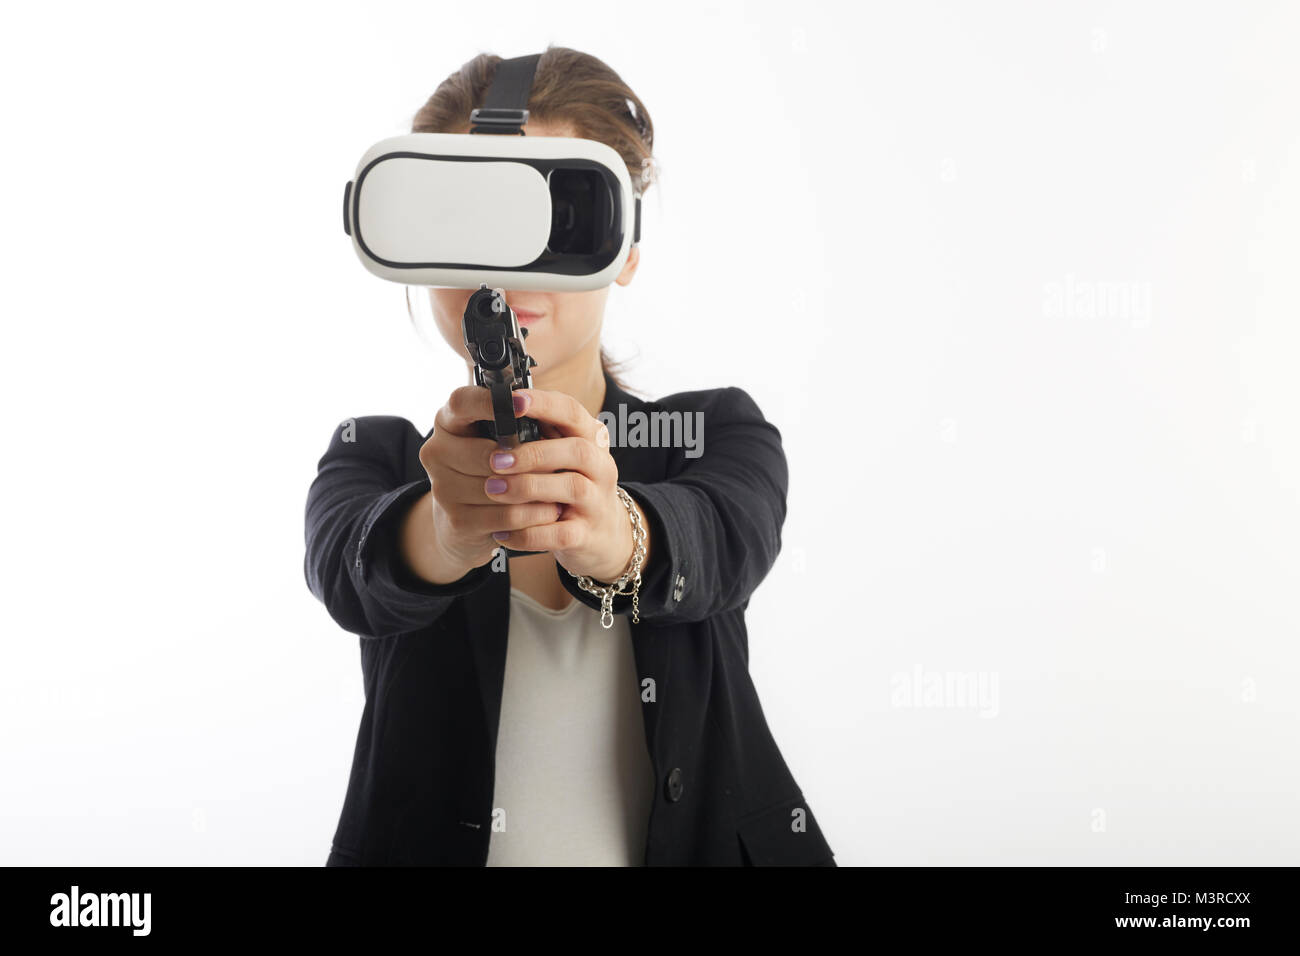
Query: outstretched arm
x=716 y=523
x=356 y=509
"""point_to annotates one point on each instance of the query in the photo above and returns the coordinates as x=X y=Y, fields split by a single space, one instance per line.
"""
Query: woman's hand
x=572 y=467
x=448 y=531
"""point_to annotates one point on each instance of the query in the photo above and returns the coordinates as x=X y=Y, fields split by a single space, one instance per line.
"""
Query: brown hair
x=569 y=87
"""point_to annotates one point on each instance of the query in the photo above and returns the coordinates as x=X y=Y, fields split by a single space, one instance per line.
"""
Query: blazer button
x=673 y=785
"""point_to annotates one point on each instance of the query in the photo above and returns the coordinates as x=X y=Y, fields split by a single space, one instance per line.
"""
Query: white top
x=574 y=781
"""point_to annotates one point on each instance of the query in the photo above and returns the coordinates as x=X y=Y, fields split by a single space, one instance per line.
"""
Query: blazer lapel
x=651 y=646
x=487 y=616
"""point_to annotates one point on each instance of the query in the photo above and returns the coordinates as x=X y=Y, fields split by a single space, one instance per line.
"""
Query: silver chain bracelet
x=632 y=574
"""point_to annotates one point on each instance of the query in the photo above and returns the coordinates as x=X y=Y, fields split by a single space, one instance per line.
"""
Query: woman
x=508 y=721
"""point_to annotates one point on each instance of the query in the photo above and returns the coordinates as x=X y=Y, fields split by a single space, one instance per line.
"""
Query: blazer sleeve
x=354 y=509
x=715 y=525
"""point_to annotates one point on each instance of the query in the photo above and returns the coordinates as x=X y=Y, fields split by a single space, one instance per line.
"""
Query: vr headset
x=493 y=206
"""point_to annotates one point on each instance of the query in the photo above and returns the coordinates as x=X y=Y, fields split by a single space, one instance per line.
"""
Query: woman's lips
x=526 y=317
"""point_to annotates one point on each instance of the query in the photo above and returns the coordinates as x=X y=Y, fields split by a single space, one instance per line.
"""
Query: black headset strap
x=505 y=105
x=512 y=83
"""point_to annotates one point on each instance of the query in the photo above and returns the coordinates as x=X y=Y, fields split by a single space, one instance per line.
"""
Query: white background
x=866 y=216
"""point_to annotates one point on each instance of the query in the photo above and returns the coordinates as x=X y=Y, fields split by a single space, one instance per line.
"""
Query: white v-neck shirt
x=574 y=781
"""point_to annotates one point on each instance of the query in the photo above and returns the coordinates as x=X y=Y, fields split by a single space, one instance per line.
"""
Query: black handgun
x=495 y=342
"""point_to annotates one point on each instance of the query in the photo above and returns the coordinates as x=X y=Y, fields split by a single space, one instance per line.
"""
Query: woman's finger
x=562 y=410
x=453 y=453
x=569 y=487
x=556 y=454
x=465 y=407
x=450 y=487
x=566 y=535
x=486 y=519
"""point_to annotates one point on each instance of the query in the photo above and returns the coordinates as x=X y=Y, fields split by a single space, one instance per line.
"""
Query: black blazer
x=433 y=656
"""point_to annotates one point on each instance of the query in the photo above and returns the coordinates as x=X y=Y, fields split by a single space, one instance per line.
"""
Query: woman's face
x=563 y=327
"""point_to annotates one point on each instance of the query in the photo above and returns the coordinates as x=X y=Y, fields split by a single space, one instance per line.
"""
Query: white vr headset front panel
x=407 y=203
x=482 y=217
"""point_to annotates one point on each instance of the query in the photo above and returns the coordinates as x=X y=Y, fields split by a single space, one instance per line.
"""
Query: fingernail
x=502 y=459
x=500 y=535
x=496 y=485
x=559 y=512
x=522 y=402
